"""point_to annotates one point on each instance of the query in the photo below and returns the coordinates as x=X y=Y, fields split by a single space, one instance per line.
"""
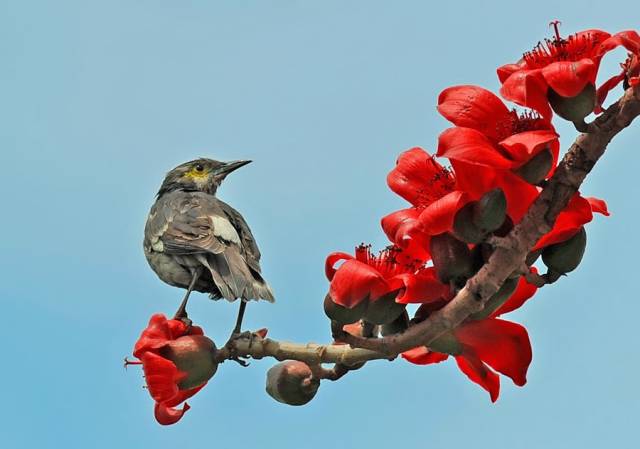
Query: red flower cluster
x=177 y=361
x=499 y=159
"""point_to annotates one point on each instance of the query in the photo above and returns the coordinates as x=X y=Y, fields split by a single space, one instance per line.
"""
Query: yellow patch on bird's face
x=197 y=175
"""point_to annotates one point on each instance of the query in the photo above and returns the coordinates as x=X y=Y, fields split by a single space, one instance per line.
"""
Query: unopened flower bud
x=341 y=314
x=193 y=355
x=464 y=227
x=537 y=168
x=490 y=211
x=292 y=383
x=384 y=310
x=398 y=325
x=532 y=257
x=446 y=343
x=566 y=256
x=574 y=109
x=452 y=258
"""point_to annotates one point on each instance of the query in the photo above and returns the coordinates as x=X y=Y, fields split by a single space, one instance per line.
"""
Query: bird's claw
x=239 y=361
x=232 y=348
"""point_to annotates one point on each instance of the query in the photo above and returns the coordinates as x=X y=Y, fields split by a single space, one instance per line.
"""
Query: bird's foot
x=232 y=347
x=185 y=320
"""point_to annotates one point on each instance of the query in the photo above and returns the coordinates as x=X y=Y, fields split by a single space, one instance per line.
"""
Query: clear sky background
x=99 y=99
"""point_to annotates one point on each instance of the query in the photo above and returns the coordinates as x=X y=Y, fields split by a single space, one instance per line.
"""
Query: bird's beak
x=228 y=167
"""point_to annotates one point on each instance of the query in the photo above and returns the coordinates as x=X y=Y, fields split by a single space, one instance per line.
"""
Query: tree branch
x=512 y=250
x=310 y=353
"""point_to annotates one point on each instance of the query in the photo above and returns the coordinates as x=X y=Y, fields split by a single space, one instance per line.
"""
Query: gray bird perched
x=195 y=241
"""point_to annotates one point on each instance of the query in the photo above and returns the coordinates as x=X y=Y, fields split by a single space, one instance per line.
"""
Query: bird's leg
x=181 y=313
x=236 y=334
x=243 y=306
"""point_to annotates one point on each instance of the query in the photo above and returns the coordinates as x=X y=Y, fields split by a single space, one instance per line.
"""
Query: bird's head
x=200 y=175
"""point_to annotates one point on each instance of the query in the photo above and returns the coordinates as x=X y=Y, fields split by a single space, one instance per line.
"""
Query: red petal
x=156 y=335
x=178 y=329
x=414 y=242
x=331 y=260
x=162 y=376
x=507 y=70
x=168 y=415
x=422 y=287
x=523 y=146
x=629 y=39
x=604 y=89
x=471 y=146
x=391 y=223
x=422 y=356
x=568 y=78
x=438 y=217
x=597 y=205
x=473 y=107
x=478 y=372
x=183 y=395
x=354 y=282
x=503 y=345
x=528 y=88
x=402 y=229
x=520 y=194
x=569 y=221
x=523 y=292
x=418 y=178
x=595 y=39
x=476 y=180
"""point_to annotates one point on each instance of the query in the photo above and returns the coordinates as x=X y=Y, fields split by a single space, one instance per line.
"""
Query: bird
x=194 y=240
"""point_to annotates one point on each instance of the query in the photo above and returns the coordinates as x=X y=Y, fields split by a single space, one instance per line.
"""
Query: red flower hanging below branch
x=177 y=360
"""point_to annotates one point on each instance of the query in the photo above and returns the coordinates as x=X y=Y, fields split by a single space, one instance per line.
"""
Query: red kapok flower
x=480 y=346
x=566 y=66
x=430 y=188
x=578 y=212
x=630 y=73
x=487 y=133
x=177 y=360
x=423 y=182
x=370 y=277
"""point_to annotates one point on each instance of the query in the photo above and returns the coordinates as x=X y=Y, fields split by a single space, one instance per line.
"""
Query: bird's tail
x=235 y=279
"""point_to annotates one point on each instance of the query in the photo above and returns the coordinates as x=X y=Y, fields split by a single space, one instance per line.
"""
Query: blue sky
x=100 y=99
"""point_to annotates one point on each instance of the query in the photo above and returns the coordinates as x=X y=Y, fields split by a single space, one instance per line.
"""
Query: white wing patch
x=224 y=229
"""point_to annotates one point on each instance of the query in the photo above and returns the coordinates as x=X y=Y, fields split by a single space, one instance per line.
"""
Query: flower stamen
x=556 y=27
x=128 y=362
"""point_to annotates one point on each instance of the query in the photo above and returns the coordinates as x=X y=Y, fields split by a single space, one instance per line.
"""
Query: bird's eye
x=199 y=167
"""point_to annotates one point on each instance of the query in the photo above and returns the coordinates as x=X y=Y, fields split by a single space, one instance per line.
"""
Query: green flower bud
x=446 y=343
x=292 y=383
x=398 y=325
x=344 y=315
x=532 y=257
x=384 y=309
x=574 y=109
x=490 y=211
x=536 y=169
x=505 y=228
x=452 y=258
x=193 y=355
x=464 y=227
x=566 y=256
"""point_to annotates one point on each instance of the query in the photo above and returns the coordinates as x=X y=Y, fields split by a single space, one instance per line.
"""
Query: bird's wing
x=188 y=224
x=249 y=248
